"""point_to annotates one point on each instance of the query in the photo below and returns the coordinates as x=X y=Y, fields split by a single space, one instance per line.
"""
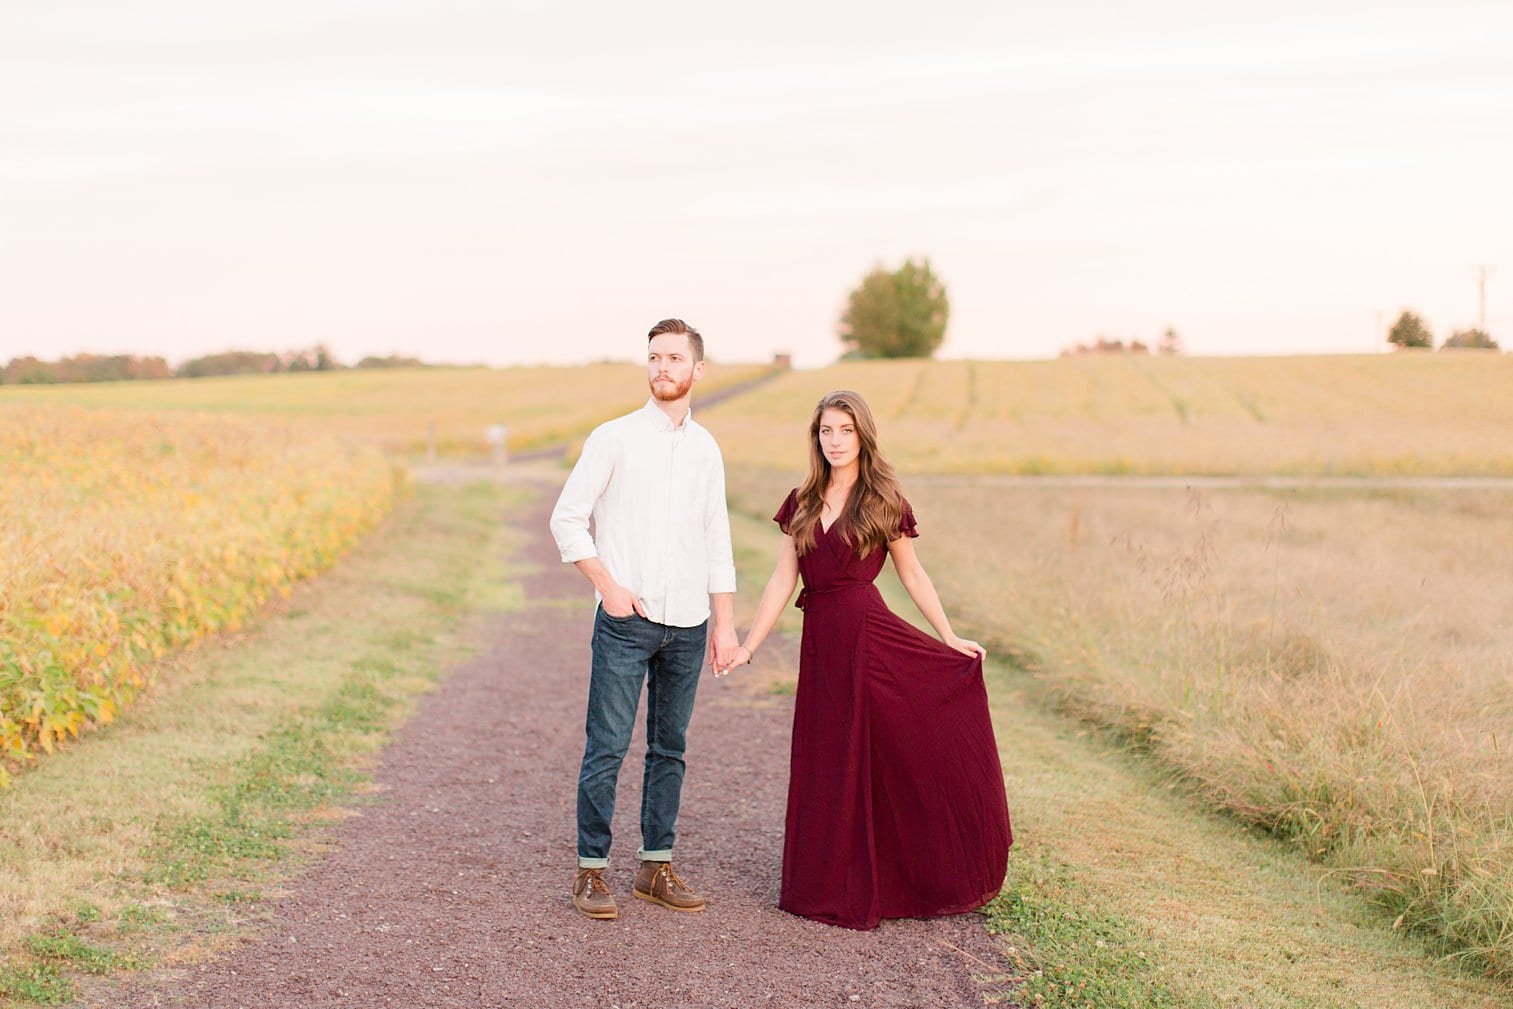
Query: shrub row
x=124 y=535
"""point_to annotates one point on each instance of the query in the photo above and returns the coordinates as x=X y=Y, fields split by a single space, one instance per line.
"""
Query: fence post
x=497 y=434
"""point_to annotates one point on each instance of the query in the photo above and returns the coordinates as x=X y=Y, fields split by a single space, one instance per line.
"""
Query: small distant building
x=782 y=360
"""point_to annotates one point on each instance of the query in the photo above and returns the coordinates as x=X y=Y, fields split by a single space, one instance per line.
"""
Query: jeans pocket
x=619 y=620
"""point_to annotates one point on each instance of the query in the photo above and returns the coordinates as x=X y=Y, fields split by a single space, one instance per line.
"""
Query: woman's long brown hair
x=876 y=503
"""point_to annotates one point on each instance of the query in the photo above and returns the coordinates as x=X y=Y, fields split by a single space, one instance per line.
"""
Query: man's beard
x=677 y=392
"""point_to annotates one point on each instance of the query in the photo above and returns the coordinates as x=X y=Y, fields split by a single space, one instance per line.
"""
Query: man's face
x=670 y=367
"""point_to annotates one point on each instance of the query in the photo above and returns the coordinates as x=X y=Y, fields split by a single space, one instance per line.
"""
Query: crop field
x=126 y=534
x=1403 y=414
x=398 y=409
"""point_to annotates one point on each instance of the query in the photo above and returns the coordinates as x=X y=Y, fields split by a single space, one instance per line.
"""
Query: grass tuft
x=66 y=949
x=37 y=983
x=1068 y=952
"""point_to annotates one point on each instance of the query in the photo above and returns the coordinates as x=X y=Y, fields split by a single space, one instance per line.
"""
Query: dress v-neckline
x=824 y=529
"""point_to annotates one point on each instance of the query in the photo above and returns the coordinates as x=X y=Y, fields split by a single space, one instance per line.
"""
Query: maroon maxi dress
x=896 y=802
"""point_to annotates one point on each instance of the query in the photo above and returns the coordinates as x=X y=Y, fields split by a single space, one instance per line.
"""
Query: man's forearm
x=722 y=604
x=595 y=571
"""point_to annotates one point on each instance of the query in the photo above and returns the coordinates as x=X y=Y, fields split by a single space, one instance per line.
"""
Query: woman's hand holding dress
x=967 y=647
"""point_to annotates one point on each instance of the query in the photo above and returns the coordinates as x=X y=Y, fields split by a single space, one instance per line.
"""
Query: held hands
x=722 y=649
x=740 y=657
x=966 y=647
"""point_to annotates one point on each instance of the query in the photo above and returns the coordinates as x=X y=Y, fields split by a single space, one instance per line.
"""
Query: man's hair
x=695 y=341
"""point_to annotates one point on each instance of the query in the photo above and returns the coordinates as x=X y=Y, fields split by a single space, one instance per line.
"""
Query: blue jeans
x=628 y=651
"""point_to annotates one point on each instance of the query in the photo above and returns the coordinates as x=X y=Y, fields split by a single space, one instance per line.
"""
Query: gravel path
x=453 y=890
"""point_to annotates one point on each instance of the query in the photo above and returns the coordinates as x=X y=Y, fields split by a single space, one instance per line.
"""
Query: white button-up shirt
x=657 y=497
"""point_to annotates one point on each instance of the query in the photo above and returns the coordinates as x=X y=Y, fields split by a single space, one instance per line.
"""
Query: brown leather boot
x=591 y=895
x=657 y=883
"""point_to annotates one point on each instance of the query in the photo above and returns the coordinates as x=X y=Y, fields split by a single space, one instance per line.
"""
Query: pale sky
x=529 y=182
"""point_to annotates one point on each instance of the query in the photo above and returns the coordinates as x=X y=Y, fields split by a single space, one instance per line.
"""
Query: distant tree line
x=1169 y=345
x=84 y=368
x=130 y=367
x=1410 y=332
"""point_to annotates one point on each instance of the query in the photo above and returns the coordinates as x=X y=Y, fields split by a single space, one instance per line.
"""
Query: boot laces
x=672 y=878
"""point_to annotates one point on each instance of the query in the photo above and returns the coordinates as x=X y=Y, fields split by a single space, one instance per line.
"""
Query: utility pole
x=1482 y=270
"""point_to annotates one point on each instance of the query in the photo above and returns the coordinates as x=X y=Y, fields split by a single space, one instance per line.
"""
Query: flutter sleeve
x=788 y=510
x=906 y=525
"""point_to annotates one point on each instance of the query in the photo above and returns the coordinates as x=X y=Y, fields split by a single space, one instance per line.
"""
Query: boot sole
x=658 y=900
x=598 y=915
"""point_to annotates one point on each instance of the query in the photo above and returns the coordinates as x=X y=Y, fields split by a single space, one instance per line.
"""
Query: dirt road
x=453 y=889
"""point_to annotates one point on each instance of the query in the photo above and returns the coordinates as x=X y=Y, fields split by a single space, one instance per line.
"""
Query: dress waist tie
x=806 y=593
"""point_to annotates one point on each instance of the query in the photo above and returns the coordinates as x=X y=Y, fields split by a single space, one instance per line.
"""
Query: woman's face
x=839 y=441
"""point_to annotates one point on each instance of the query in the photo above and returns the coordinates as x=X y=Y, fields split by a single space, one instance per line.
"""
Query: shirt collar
x=659 y=420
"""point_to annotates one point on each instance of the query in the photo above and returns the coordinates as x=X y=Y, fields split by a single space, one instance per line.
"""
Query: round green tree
x=1409 y=331
x=899 y=313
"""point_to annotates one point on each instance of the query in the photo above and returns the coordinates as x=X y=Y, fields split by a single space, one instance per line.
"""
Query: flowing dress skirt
x=896 y=801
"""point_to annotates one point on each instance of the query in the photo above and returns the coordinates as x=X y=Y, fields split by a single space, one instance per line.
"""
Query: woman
x=895 y=795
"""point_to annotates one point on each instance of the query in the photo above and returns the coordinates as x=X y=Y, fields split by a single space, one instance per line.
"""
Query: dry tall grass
x=1396 y=415
x=1335 y=667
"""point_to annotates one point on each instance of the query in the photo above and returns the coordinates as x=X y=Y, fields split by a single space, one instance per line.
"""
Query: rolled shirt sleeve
x=717 y=529
x=576 y=503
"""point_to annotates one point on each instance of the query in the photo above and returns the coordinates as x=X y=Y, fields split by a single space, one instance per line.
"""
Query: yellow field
x=1402 y=414
x=397 y=408
x=123 y=534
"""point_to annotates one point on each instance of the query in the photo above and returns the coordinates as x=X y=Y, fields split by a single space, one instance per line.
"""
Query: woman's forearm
x=922 y=591
x=774 y=597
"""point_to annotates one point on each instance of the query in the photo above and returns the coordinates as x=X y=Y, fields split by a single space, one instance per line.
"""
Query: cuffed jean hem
x=592 y=863
x=664 y=855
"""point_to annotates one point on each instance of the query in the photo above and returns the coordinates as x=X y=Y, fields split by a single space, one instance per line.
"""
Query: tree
x=231 y=362
x=897 y=314
x=1103 y=345
x=1170 y=344
x=1470 y=338
x=391 y=361
x=1409 y=331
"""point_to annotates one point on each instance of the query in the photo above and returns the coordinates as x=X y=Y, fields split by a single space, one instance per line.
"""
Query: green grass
x=35 y=983
x=167 y=827
x=65 y=949
x=1066 y=951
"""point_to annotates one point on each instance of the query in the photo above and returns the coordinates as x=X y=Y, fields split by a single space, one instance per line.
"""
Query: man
x=659 y=560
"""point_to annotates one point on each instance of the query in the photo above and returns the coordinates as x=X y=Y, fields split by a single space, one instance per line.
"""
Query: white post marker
x=497 y=435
